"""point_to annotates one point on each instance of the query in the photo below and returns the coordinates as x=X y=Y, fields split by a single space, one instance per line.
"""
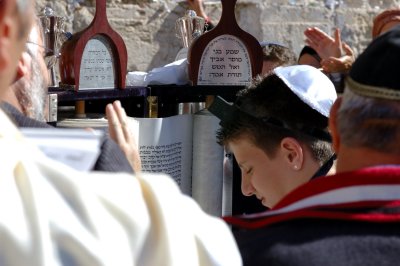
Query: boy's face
x=267 y=178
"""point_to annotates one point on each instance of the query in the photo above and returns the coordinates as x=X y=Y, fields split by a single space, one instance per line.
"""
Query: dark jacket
x=111 y=158
x=347 y=219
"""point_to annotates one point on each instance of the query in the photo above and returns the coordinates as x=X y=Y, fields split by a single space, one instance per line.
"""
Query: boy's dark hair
x=308 y=50
x=272 y=98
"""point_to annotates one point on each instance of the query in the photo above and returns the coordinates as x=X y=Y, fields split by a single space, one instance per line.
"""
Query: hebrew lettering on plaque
x=225 y=61
x=97 y=66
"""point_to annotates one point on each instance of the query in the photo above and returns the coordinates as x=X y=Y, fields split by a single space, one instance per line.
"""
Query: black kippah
x=375 y=73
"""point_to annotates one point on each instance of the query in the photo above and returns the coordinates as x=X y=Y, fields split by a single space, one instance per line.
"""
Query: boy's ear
x=293 y=152
x=333 y=127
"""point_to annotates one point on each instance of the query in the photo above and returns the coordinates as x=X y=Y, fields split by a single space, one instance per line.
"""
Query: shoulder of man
x=333 y=219
x=310 y=241
x=19 y=119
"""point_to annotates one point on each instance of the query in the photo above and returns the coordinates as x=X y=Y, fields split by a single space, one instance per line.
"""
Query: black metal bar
x=98 y=94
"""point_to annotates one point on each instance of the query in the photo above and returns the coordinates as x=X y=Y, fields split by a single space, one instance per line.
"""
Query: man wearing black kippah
x=353 y=217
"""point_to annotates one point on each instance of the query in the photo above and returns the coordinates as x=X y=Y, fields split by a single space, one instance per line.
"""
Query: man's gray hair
x=32 y=92
x=22 y=7
x=369 y=122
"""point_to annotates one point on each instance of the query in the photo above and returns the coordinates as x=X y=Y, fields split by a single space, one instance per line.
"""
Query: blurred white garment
x=182 y=54
x=136 y=78
x=54 y=215
x=173 y=73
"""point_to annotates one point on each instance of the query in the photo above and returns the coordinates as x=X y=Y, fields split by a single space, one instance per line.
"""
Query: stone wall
x=148 y=26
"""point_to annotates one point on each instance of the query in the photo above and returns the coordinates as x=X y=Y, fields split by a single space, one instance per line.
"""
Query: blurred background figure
x=385 y=21
x=276 y=54
x=308 y=56
x=336 y=56
x=197 y=6
x=330 y=54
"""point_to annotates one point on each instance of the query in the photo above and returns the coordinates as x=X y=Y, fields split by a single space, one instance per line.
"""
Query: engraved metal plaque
x=97 y=69
x=225 y=61
x=52 y=107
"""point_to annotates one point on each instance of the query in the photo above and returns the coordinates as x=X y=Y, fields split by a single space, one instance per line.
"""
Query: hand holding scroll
x=122 y=133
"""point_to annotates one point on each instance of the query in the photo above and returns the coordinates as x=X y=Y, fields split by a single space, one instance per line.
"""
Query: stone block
x=148 y=26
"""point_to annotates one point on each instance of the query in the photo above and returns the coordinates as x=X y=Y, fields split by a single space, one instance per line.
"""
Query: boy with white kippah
x=352 y=217
x=277 y=131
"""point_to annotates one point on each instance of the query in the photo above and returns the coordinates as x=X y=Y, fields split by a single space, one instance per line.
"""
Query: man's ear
x=23 y=67
x=293 y=152
x=333 y=127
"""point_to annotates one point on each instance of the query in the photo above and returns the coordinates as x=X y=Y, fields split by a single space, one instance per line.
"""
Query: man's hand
x=323 y=44
x=337 y=56
x=339 y=65
x=121 y=132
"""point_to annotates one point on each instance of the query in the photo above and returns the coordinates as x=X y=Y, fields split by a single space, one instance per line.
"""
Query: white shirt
x=54 y=215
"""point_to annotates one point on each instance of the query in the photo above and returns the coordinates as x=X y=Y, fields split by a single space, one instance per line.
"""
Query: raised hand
x=121 y=132
x=341 y=64
x=325 y=45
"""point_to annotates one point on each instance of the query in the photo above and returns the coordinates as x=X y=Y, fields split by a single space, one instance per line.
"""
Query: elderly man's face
x=15 y=27
x=32 y=89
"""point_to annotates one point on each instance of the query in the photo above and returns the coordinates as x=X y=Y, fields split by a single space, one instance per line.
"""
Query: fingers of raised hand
x=335 y=65
x=112 y=121
x=347 y=49
x=329 y=65
x=123 y=119
x=337 y=36
x=121 y=132
x=117 y=123
x=310 y=43
x=317 y=35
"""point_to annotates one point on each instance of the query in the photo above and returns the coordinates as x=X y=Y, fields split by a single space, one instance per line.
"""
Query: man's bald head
x=15 y=24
